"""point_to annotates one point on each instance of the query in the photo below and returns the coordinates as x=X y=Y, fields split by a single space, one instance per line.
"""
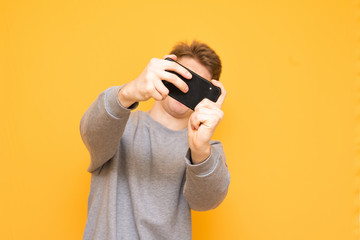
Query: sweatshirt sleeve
x=102 y=126
x=207 y=183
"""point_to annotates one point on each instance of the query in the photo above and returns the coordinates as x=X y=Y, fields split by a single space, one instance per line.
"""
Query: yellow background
x=290 y=132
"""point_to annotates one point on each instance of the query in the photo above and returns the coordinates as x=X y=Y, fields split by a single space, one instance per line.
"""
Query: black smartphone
x=199 y=88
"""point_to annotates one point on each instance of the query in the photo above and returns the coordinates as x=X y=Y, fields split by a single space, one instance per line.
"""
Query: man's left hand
x=202 y=123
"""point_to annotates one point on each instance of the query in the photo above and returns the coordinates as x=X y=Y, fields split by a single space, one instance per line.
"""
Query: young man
x=150 y=168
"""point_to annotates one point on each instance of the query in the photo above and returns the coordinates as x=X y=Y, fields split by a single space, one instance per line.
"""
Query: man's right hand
x=149 y=85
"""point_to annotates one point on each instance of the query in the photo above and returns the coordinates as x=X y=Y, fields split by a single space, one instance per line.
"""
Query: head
x=201 y=59
x=201 y=53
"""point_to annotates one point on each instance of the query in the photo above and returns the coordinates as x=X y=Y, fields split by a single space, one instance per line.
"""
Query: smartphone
x=199 y=88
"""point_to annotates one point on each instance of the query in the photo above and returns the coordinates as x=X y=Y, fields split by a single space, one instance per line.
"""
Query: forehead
x=195 y=66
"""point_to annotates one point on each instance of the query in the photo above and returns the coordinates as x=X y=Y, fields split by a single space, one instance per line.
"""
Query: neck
x=159 y=114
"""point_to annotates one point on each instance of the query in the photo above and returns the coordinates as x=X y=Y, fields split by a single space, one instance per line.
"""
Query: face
x=175 y=108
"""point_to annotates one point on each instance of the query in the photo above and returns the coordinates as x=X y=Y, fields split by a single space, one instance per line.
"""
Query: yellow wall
x=291 y=69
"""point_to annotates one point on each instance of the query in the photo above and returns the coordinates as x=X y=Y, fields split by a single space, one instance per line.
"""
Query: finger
x=211 y=116
x=206 y=103
x=221 y=98
x=210 y=111
x=194 y=121
x=173 y=66
x=157 y=95
x=172 y=56
x=174 y=79
x=206 y=120
x=160 y=87
x=153 y=91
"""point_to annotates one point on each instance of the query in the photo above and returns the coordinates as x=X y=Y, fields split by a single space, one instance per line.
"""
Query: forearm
x=199 y=155
x=102 y=126
x=207 y=183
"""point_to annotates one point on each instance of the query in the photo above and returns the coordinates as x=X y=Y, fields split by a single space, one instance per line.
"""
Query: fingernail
x=188 y=74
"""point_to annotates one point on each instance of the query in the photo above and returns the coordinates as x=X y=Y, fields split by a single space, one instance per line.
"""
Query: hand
x=202 y=123
x=149 y=85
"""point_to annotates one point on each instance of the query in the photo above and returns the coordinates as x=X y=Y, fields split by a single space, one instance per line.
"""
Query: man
x=150 y=168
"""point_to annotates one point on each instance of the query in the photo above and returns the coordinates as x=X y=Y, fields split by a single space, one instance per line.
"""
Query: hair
x=201 y=52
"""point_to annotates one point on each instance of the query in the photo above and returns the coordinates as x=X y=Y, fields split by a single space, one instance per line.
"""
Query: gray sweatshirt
x=143 y=183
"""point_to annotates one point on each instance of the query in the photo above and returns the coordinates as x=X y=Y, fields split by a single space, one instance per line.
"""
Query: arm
x=207 y=175
x=207 y=183
x=102 y=126
x=104 y=122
